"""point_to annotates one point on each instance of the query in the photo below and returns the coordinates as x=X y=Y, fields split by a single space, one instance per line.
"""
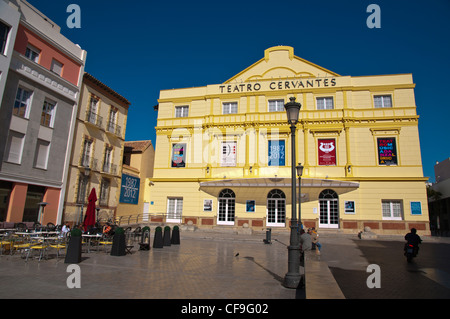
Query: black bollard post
x=175 y=235
x=166 y=238
x=158 y=241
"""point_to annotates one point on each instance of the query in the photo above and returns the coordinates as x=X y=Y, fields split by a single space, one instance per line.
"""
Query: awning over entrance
x=311 y=187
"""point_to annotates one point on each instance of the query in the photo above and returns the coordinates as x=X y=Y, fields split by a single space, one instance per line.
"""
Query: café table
x=89 y=239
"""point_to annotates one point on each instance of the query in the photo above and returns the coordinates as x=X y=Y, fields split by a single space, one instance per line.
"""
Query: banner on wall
x=179 y=155
x=277 y=153
x=129 y=190
x=387 y=151
x=327 y=151
x=228 y=154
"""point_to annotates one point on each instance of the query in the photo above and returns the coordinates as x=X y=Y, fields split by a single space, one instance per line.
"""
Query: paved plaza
x=198 y=268
x=223 y=266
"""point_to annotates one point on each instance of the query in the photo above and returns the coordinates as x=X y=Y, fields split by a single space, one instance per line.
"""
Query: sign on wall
x=129 y=190
x=179 y=155
x=387 y=151
x=228 y=154
x=277 y=153
x=416 y=208
x=327 y=151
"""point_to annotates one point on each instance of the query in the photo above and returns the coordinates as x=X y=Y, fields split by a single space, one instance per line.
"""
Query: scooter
x=410 y=252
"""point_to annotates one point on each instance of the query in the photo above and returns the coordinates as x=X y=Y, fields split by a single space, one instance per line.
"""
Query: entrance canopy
x=246 y=187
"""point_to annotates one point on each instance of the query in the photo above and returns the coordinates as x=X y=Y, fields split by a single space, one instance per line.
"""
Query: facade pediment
x=280 y=63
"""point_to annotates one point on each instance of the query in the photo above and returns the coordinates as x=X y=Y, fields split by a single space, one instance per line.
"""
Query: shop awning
x=311 y=187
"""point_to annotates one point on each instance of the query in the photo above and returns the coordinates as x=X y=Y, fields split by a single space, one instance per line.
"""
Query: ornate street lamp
x=292 y=278
x=299 y=168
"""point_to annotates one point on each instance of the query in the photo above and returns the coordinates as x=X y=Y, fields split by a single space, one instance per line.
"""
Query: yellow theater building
x=223 y=151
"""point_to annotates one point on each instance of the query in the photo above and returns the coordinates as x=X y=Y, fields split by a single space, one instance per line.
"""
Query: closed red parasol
x=89 y=219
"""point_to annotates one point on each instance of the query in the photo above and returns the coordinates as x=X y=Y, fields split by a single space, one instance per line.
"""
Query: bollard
x=175 y=240
x=166 y=237
x=158 y=241
x=268 y=239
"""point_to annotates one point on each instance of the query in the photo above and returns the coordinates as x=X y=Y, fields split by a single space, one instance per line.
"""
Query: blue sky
x=141 y=47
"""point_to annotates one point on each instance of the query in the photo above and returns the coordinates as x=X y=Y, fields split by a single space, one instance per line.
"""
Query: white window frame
x=389 y=206
x=383 y=103
x=16 y=157
x=328 y=103
x=32 y=53
x=182 y=111
x=21 y=100
x=49 y=108
x=229 y=108
x=174 y=216
x=4 y=46
x=275 y=105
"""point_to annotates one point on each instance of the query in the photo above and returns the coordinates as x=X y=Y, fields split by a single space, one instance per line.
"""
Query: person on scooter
x=413 y=239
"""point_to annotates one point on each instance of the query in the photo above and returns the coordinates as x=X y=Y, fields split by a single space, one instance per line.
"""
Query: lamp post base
x=293 y=277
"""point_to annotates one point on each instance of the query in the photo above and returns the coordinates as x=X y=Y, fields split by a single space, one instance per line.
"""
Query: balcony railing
x=88 y=162
x=114 y=128
x=109 y=168
x=94 y=118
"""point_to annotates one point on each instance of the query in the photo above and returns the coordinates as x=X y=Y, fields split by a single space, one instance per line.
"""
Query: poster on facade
x=207 y=205
x=387 y=151
x=277 y=153
x=179 y=155
x=250 y=206
x=327 y=151
x=129 y=190
x=228 y=154
x=416 y=208
x=349 y=207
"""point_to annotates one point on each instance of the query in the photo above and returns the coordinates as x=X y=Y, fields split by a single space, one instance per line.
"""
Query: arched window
x=329 y=209
x=276 y=208
x=226 y=207
x=227 y=193
x=276 y=193
x=328 y=194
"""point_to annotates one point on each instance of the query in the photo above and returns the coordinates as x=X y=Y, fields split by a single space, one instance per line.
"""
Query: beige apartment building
x=138 y=159
x=97 y=153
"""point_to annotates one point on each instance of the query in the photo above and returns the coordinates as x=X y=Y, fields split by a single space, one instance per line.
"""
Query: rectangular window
x=32 y=53
x=277 y=153
x=22 y=102
x=107 y=160
x=92 y=116
x=14 y=147
x=86 y=156
x=325 y=103
x=56 y=67
x=174 y=209
x=41 y=155
x=392 y=209
x=381 y=101
x=228 y=154
x=82 y=187
x=4 y=32
x=181 y=111
x=387 y=151
x=48 y=113
x=229 y=107
x=276 y=105
x=104 y=192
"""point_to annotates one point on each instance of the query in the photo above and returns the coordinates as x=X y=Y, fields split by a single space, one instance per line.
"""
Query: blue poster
x=277 y=153
x=129 y=191
x=416 y=208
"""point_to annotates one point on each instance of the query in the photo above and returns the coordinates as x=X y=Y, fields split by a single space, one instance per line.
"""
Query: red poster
x=327 y=152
